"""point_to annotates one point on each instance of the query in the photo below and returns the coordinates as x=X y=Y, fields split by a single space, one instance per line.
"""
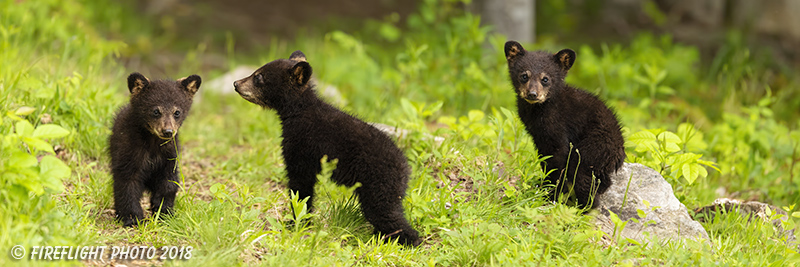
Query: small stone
x=46 y=119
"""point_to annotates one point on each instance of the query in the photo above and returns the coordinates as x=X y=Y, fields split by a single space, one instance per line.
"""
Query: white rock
x=666 y=218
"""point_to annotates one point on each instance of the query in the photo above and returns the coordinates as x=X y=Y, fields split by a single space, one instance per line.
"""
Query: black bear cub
x=559 y=116
x=144 y=144
x=313 y=128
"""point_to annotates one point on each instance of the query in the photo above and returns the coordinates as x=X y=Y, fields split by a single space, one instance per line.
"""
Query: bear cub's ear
x=191 y=83
x=565 y=58
x=513 y=50
x=300 y=73
x=137 y=82
x=298 y=56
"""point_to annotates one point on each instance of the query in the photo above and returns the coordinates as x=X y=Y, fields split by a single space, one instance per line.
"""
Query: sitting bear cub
x=565 y=123
x=313 y=128
x=144 y=144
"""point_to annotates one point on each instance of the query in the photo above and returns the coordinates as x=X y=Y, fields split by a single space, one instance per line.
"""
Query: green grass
x=476 y=198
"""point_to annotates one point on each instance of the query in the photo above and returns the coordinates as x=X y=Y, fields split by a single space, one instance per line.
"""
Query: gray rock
x=331 y=94
x=224 y=83
x=402 y=133
x=665 y=218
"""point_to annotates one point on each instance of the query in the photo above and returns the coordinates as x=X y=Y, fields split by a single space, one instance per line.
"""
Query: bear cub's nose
x=531 y=95
x=167 y=132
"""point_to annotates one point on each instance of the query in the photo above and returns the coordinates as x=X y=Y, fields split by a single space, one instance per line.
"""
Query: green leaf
x=52 y=170
x=23 y=111
x=448 y=120
x=32 y=183
x=666 y=90
x=50 y=166
x=641 y=213
x=408 y=108
x=24 y=128
x=691 y=137
x=433 y=108
x=389 y=32
x=38 y=144
x=21 y=160
x=632 y=241
x=48 y=131
x=669 y=140
x=475 y=115
x=692 y=170
x=644 y=141
x=660 y=76
x=642 y=137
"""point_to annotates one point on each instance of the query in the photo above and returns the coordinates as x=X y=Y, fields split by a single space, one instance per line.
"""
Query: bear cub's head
x=537 y=75
x=162 y=105
x=277 y=82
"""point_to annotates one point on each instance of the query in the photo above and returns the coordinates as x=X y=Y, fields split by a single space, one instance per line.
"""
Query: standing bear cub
x=566 y=123
x=313 y=128
x=144 y=144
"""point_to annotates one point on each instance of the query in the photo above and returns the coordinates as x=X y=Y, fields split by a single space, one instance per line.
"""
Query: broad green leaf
x=687 y=158
x=641 y=213
x=667 y=136
x=52 y=170
x=38 y=144
x=24 y=128
x=666 y=90
x=644 y=141
x=691 y=171
x=642 y=137
x=408 y=108
x=433 y=108
x=20 y=160
x=660 y=76
x=22 y=111
x=32 y=183
x=390 y=32
x=50 y=166
x=475 y=115
x=48 y=131
x=216 y=188
x=448 y=120
x=669 y=140
x=691 y=137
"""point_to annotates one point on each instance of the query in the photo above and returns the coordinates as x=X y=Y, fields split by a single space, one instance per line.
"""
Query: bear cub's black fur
x=557 y=115
x=144 y=144
x=313 y=128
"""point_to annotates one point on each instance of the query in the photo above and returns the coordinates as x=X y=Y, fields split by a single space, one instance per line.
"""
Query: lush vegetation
x=723 y=128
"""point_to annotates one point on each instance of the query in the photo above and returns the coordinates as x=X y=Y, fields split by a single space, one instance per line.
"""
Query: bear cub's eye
x=177 y=114
x=524 y=78
x=259 y=79
x=545 y=80
x=156 y=113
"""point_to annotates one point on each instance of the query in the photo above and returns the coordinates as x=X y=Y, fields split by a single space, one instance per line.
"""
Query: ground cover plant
x=476 y=197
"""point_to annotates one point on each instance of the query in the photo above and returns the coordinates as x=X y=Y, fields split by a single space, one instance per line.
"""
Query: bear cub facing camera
x=313 y=128
x=144 y=144
x=565 y=123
